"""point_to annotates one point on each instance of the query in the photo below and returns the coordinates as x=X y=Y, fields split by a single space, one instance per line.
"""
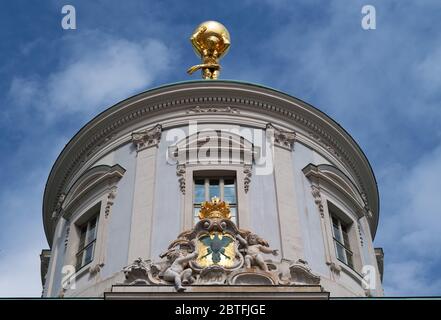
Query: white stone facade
x=133 y=165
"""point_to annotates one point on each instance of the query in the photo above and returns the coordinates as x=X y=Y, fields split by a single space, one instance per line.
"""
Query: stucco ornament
x=217 y=252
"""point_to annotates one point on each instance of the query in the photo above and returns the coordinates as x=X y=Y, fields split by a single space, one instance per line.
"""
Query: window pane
x=345 y=238
x=199 y=191
x=79 y=262
x=229 y=191
x=196 y=211
x=214 y=190
x=337 y=234
x=92 y=231
x=349 y=258
x=340 y=252
x=89 y=253
x=83 y=231
x=233 y=211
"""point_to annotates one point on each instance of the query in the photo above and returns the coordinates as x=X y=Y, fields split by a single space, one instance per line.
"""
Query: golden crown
x=214 y=209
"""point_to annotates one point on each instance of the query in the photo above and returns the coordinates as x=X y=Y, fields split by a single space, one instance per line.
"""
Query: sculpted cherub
x=177 y=272
x=254 y=246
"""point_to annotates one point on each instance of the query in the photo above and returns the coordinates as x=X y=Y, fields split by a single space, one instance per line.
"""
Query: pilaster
x=146 y=142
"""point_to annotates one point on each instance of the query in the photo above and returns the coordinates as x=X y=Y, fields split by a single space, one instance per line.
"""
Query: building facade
x=211 y=188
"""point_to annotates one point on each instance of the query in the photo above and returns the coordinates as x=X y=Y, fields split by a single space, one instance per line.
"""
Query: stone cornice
x=322 y=175
x=243 y=98
x=88 y=181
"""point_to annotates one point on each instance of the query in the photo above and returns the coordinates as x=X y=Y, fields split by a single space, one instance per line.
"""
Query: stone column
x=289 y=221
x=146 y=142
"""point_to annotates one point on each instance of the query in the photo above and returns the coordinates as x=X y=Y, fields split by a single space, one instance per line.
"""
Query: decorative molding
x=187 y=149
x=180 y=172
x=326 y=176
x=58 y=211
x=45 y=257
x=93 y=270
x=114 y=121
x=199 y=109
x=147 y=138
x=315 y=190
x=184 y=263
x=301 y=274
x=282 y=138
x=367 y=209
x=93 y=180
x=360 y=234
x=379 y=256
x=66 y=238
x=334 y=267
x=110 y=201
x=323 y=142
x=248 y=172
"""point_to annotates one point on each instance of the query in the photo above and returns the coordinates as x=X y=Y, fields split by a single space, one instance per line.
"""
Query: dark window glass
x=214 y=190
x=86 y=244
x=340 y=252
x=230 y=191
x=199 y=191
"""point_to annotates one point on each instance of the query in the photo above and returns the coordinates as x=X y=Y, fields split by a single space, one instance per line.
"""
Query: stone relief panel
x=216 y=252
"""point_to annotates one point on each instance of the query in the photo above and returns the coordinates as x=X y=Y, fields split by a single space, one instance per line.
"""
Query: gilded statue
x=210 y=41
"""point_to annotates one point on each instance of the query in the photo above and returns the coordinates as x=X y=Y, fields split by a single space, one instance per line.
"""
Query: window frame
x=221 y=176
x=82 y=216
x=341 y=240
x=84 y=245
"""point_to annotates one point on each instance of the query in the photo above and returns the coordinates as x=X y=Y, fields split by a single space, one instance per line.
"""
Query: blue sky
x=383 y=86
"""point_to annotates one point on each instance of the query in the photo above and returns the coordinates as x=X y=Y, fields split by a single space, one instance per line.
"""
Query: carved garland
x=110 y=200
x=180 y=172
x=248 y=172
x=315 y=190
x=213 y=109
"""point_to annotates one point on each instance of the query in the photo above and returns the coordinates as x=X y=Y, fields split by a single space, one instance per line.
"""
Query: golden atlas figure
x=210 y=41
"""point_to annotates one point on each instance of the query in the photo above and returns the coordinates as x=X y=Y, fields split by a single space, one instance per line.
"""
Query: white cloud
x=411 y=231
x=94 y=72
x=409 y=278
x=23 y=239
x=380 y=85
x=20 y=274
x=97 y=71
x=429 y=71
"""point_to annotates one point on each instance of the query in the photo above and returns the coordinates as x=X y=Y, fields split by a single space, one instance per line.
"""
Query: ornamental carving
x=315 y=190
x=248 y=172
x=110 y=200
x=180 y=172
x=91 y=144
x=147 y=138
x=199 y=109
x=59 y=207
x=216 y=252
x=284 y=139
